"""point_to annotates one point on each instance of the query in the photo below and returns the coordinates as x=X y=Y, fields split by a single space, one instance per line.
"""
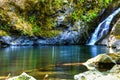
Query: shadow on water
x=39 y=61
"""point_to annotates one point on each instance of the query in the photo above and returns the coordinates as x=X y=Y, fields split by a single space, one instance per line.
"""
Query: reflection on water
x=95 y=50
x=39 y=61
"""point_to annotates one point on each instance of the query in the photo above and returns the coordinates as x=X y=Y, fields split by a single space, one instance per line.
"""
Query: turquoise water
x=42 y=60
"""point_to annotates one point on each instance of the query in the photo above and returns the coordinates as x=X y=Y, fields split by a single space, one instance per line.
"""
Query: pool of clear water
x=47 y=60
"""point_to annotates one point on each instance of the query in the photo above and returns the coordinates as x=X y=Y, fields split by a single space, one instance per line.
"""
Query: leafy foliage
x=37 y=17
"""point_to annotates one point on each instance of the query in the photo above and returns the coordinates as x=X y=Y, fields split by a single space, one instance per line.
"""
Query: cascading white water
x=103 y=28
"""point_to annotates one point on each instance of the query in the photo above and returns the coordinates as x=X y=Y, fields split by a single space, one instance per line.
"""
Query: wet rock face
x=22 y=41
x=73 y=35
x=17 y=41
x=113 y=39
x=109 y=39
x=5 y=41
x=116 y=29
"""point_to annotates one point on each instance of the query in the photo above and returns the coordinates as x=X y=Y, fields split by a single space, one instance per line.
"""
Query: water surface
x=42 y=60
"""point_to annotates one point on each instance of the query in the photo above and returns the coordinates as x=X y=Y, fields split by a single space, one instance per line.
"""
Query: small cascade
x=103 y=28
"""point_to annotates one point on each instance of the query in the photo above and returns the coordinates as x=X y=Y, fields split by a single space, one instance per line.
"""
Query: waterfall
x=103 y=28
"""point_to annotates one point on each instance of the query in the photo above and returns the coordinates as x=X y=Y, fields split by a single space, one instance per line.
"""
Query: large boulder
x=95 y=74
x=113 y=74
x=100 y=62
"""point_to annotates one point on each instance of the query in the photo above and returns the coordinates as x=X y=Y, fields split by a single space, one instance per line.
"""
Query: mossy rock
x=116 y=29
x=23 y=76
x=3 y=33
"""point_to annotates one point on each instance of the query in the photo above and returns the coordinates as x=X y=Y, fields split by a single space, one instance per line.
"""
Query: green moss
x=3 y=33
x=116 y=31
x=35 y=17
x=22 y=77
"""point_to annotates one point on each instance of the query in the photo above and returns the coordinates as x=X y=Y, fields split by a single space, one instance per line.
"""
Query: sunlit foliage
x=38 y=17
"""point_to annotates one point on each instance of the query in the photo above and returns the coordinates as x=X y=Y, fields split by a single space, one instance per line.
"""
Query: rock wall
x=113 y=39
x=110 y=39
x=73 y=35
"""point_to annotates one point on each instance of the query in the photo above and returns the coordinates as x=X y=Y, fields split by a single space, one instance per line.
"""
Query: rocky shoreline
x=102 y=67
x=73 y=35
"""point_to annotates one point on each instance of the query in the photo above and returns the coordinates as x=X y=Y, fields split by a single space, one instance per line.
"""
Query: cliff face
x=41 y=17
x=116 y=30
x=113 y=39
x=50 y=18
x=32 y=17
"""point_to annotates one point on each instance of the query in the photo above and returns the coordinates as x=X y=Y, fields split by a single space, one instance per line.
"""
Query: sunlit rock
x=23 y=76
x=108 y=77
x=99 y=61
x=89 y=75
x=103 y=58
x=115 y=57
x=112 y=74
x=65 y=1
x=97 y=75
